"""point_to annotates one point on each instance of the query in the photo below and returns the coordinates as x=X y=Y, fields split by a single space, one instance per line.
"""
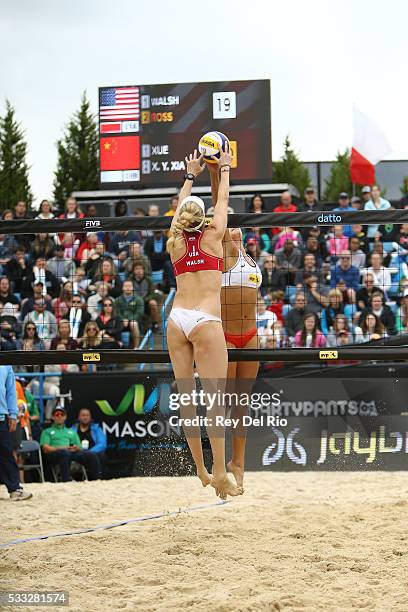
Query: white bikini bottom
x=187 y=319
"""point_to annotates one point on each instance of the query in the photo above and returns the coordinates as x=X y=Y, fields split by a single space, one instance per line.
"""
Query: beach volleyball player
x=241 y=279
x=194 y=331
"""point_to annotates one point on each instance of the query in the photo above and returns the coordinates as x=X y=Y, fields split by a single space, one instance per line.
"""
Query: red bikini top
x=194 y=259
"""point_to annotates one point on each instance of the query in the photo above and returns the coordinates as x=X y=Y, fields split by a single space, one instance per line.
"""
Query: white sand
x=292 y=542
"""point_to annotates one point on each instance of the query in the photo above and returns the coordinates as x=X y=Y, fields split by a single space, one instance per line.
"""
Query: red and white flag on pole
x=370 y=146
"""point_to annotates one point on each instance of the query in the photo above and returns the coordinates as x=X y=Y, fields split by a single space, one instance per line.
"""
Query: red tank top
x=194 y=259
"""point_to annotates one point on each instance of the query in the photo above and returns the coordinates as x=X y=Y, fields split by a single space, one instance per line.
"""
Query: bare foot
x=205 y=477
x=223 y=487
x=237 y=471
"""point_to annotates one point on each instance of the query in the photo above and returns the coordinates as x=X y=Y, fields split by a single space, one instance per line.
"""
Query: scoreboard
x=145 y=131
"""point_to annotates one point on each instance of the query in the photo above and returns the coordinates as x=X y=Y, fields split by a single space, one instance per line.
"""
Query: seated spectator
x=315 y=294
x=61 y=445
x=63 y=303
x=81 y=284
x=381 y=311
x=63 y=269
x=130 y=308
x=375 y=203
x=106 y=271
x=71 y=211
x=136 y=256
x=337 y=243
x=94 y=304
x=92 y=213
x=71 y=243
x=43 y=245
x=153 y=210
x=44 y=321
x=334 y=308
x=78 y=317
x=288 y=260
x=402 y=314
x=358 y=258
x=313 y=247
x=295 y=316
x=265 y=319
x=120 y=242
x=257 y=204
x=17 y=269
x=345 y=206
x=287 y=233
x=210 y=211
x=64 y=337
x=98 y=254
x=339 y=334
x=86 y=249
x=27 y=305
x=310 y=336
x=309 y=267
x=378 y=248
x=365 y=293
x=162 y=270
x=370 y=328
x=121 y=208
x=39 y=273
x=345 y=277
x=110 y=324
x=173 y=207
x=285 y=206
x=310 y=203
x=92 y=437
x=6 y=295
x=272 y=278
x=30 y=340
x=10 y=327
x=275 y=302
x=356 y=203
x=7 y=215
x=358 y=232
x=139 y=212
x=143 y=287
x=253 y=249
x=8 y=247
x=382 y=275
x=45 y=210
x=21 y=212
x=261 y=236
x=33 y=410
x=92 y=337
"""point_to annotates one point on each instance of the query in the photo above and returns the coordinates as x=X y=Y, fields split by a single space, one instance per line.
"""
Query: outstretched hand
x=225 y=158
x=193 y=163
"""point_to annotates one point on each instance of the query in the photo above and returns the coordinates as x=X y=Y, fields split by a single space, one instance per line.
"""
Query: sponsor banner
x=290 y=423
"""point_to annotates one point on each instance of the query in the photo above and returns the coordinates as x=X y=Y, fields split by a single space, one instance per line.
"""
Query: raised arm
x=194 y=168
x=221 y=206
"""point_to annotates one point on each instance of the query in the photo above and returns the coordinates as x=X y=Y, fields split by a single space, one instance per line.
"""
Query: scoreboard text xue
x=146 y=130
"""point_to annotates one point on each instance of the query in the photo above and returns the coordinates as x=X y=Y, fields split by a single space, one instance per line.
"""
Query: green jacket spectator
x=129 y=306
x=58 y=435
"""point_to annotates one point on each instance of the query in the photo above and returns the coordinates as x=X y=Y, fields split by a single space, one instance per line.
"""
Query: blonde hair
x=190 y=216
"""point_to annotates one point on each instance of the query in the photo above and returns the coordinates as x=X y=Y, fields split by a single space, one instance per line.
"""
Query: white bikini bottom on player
x=187 y=319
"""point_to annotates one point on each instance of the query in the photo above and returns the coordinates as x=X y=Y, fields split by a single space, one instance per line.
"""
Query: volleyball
x=211 y=145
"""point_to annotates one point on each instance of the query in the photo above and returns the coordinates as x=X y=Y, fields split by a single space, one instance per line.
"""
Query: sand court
x=326 y=541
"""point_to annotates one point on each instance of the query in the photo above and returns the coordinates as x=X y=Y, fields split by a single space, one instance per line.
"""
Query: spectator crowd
x=322 y=286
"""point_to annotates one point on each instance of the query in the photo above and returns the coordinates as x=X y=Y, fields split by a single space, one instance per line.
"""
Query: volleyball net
x=99 y=290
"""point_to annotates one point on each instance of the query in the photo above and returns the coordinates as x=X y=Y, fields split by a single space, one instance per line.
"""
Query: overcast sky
x=321 y=56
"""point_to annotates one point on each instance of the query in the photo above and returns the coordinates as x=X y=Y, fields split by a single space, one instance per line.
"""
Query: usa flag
x=119 y=103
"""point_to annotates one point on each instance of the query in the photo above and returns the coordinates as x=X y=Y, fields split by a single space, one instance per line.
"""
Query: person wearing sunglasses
x=78 y=316
x=110 y=324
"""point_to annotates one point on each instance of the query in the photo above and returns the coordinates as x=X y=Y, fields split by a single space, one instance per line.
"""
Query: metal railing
x=166 y=302
x=41 y=396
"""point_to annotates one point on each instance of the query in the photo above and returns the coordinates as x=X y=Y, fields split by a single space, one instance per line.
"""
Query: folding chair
x=31 y=446
x=74 y=468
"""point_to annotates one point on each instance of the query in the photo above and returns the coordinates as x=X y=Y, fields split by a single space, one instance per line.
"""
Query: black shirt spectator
x=155 y=249
x=110 y=324
x=21 y=212
x=39 y=273
x=310 y=204
x=272 y=278
x=17 y=269
x=382 y=311
x=294 y=318
x=6 y=294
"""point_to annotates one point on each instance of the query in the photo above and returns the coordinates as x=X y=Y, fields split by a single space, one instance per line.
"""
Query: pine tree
x=404 y=186
x=291 y=170
x=14 y=181
x=339 y=178
x=77 y=166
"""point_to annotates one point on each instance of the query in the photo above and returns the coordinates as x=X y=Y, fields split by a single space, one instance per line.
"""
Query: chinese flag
x=120 y=153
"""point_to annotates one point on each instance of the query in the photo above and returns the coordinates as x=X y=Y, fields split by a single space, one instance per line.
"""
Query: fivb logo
x=294 y=450
x=135 y=396
x=92 y=223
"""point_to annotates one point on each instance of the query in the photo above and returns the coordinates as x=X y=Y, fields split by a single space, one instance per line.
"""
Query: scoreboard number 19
x=224 y=105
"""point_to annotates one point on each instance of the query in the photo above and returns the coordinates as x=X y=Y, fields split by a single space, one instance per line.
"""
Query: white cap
x=200 y=203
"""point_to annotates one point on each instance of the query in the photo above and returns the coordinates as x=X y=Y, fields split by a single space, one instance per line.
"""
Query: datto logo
x=329 y=218
x=135 y=396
